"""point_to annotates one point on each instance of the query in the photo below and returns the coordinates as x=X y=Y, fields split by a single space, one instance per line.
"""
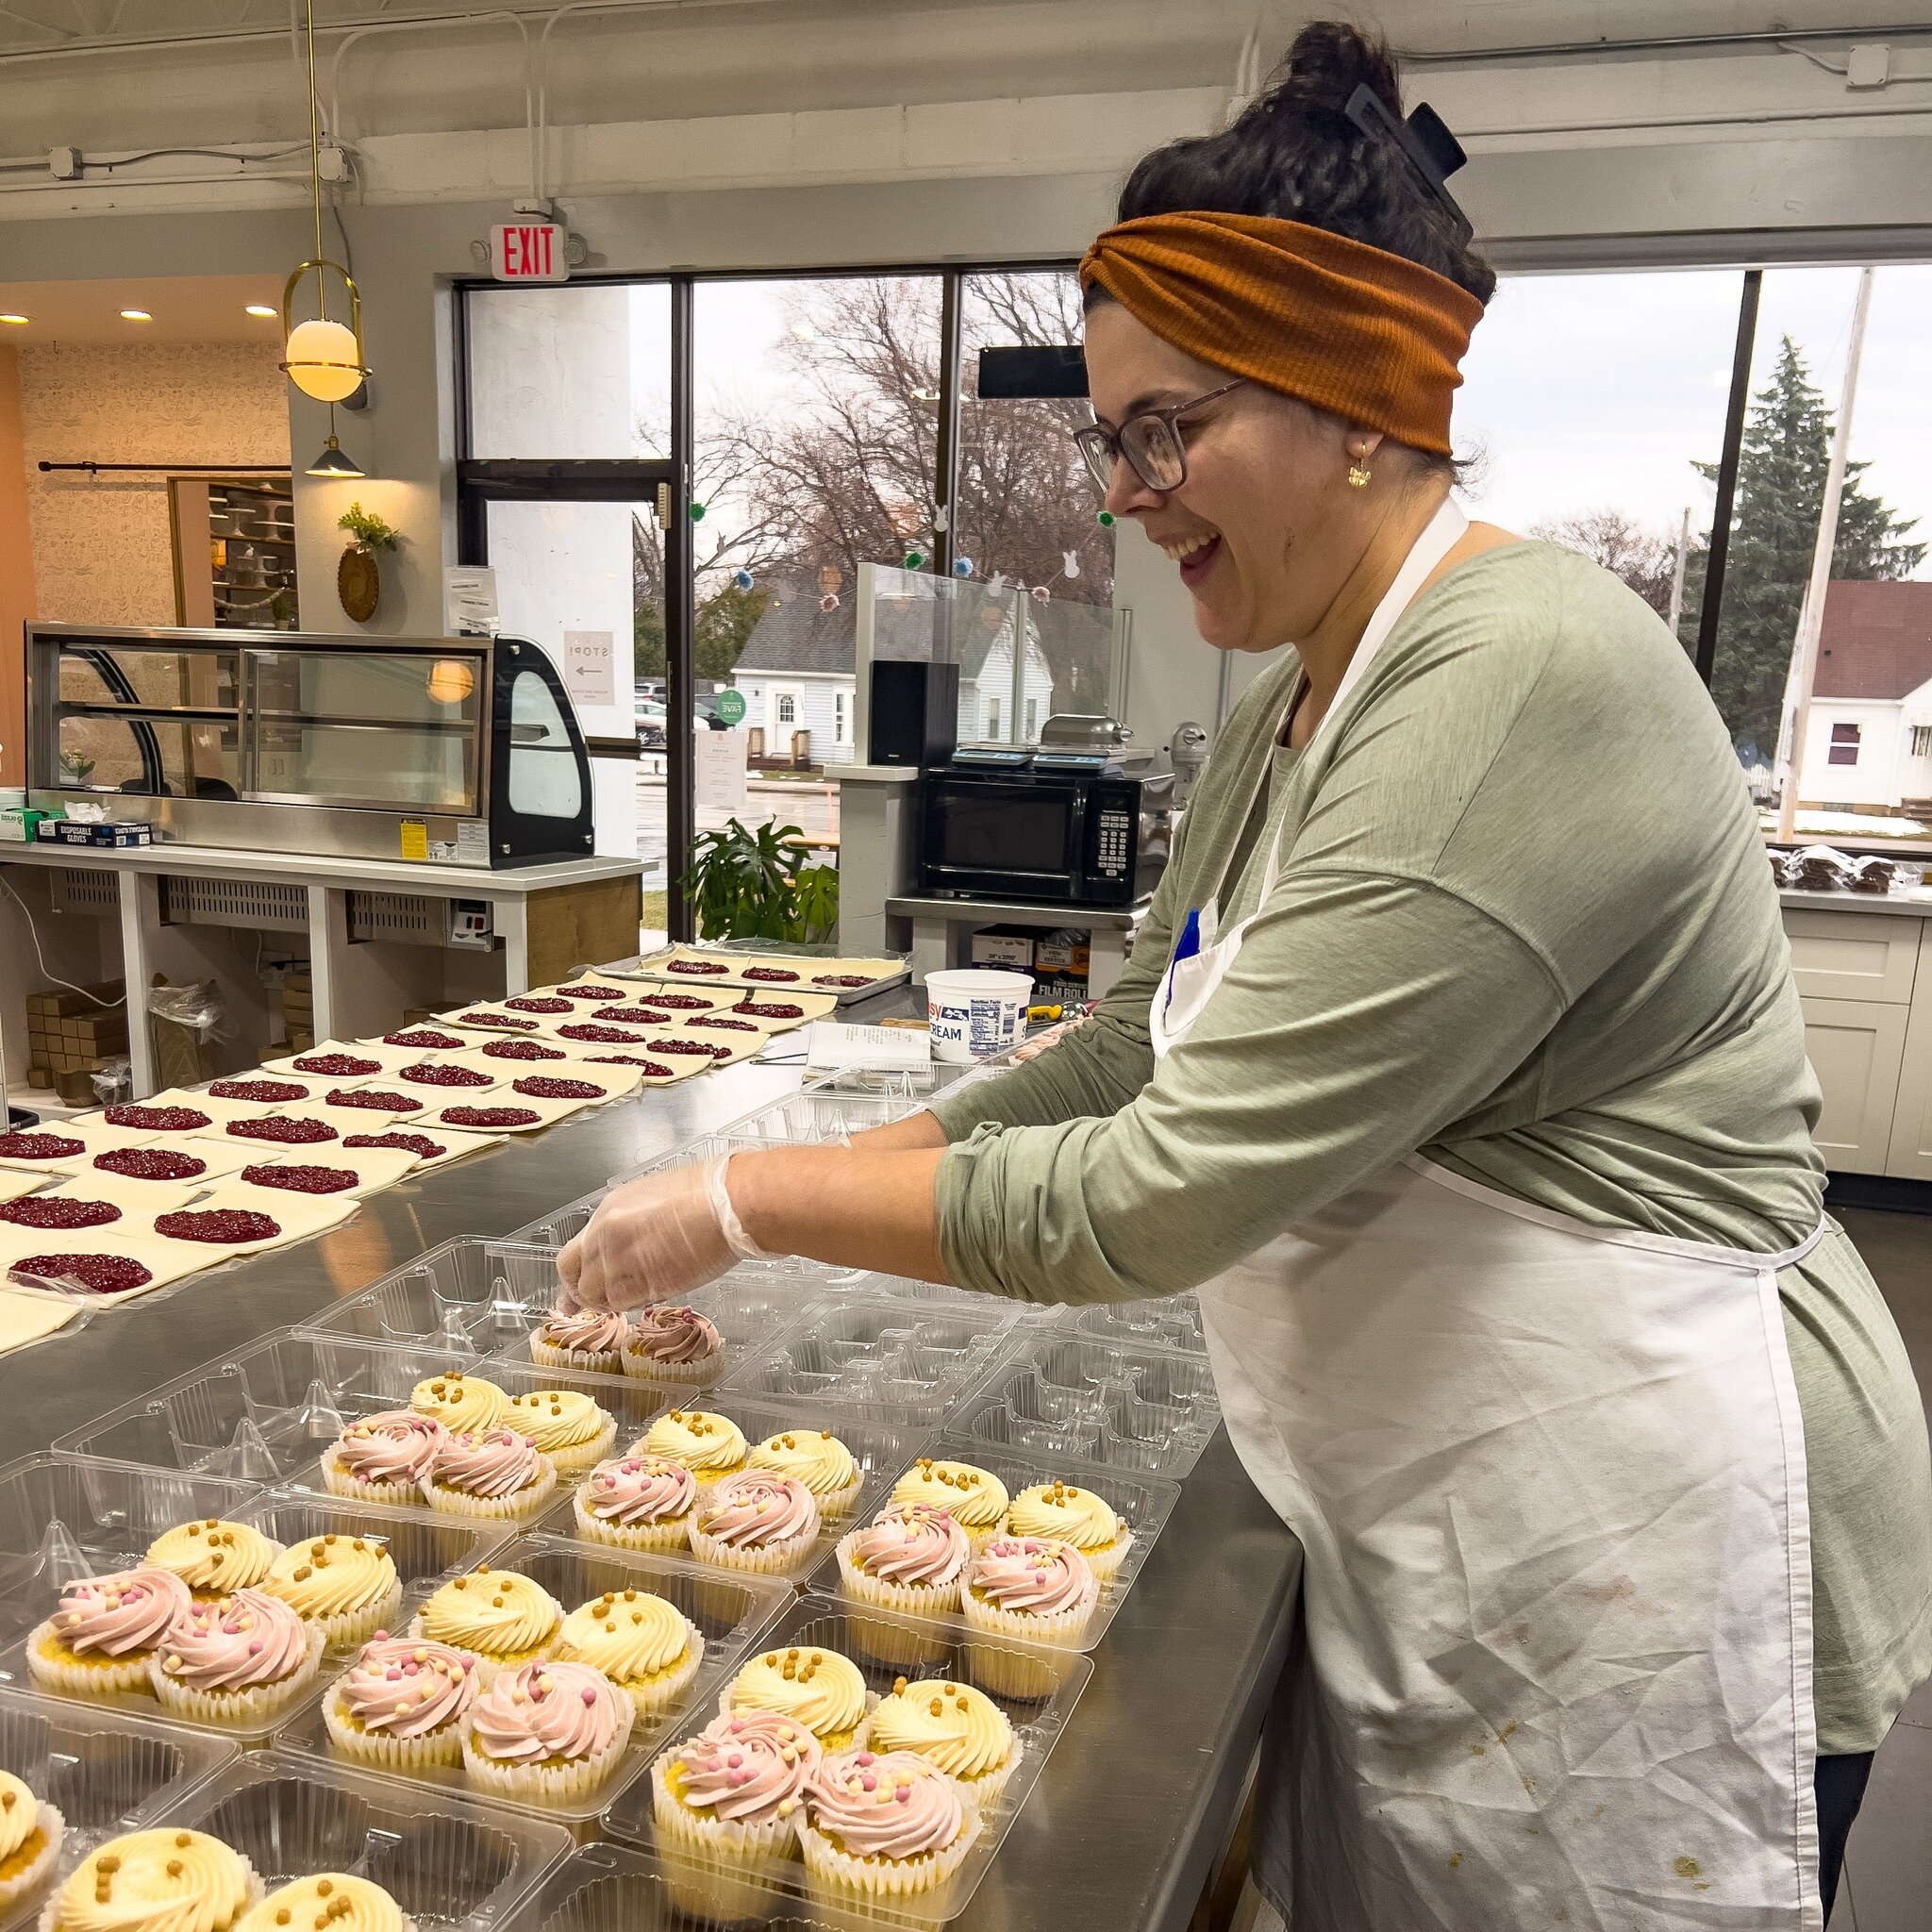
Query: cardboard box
x=1003 y=945
x=1065 y=952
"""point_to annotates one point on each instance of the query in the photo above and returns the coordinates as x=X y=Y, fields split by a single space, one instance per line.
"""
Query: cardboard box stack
x=71 y=1035
x=298 y=1008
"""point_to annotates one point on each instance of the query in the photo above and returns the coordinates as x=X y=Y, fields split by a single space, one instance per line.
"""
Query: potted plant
x=358 y=583
x=756 y=885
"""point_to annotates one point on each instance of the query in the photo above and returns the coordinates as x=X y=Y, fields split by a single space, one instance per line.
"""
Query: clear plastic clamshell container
x=562 y=1224
x=104 y=1771
x=732 y=1612
x=814 y=1118
x=897 y=1360
x=1036 y=1686
x=469 y=1295
x=1098 y=1403
x=1143 y=1502
x=615 y=1887
x=452 y=1864
x=1173 y=1323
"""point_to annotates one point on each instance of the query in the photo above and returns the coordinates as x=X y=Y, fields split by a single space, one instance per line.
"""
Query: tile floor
x=1888 y=1881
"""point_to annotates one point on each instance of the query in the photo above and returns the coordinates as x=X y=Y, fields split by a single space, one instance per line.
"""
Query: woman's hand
x=656 y=1239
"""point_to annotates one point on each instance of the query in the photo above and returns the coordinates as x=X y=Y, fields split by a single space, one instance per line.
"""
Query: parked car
x=651 y=718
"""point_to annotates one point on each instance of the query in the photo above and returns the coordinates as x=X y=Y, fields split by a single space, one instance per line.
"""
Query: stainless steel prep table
x=1140 y=1794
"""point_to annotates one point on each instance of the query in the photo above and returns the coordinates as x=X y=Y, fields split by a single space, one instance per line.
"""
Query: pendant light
x=333 y=461
x=323 y=359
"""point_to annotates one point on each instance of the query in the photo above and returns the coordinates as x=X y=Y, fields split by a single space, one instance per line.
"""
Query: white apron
x=1553 y=1667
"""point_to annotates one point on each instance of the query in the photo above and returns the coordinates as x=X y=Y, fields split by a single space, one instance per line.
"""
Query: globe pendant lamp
x=324 y=359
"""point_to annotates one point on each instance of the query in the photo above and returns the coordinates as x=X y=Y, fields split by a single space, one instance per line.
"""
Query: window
x=1922 y=740
x=1032 y=721
x=785 y=708
x=992 y=718
x=1844 y=744
x=841 y=717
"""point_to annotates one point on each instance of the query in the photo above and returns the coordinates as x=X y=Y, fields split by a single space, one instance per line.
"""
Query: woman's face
x=1265 y=530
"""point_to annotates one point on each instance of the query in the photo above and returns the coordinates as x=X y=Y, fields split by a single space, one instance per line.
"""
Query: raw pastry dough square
x=166 y=1261
x=217 y=1158
x=716 y=998
x=817 y=1006
x=737 y=1046
x=484 y=1011
x=442 y=1096
x=218 y=1111
x=574 y=988
x=729 y=1029
x=288 y=1067
x=616 y=1081
x=501 y=1067
x=299 y=1215
x=26 y=1318
x=374 y=1168
x=342 y=1120
x=680 y=1067
x=16 y=1181
x=548 y=1112
x=94 y=1137
x=139 y=1197
x=454 y=1145
x=468 y=1036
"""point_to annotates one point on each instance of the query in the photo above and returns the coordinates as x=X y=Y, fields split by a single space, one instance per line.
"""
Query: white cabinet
x=1856 y=1048
x=1853 y=956
x=1910 y=1157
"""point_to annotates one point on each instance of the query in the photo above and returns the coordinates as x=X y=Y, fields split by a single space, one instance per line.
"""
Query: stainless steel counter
x=1125 y=1824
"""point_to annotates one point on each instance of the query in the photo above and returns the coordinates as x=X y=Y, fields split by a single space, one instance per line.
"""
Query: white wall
x=1874 y=779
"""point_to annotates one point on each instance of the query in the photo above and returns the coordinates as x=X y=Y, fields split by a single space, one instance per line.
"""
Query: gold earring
x=1358 y=473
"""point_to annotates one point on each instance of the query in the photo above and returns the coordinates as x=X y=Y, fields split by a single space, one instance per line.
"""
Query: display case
x=460 y=751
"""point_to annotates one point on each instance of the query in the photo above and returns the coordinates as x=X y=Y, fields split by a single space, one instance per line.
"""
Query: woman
x=1459 y=1063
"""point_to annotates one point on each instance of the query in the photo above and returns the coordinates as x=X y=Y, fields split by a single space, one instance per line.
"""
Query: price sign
x=528 y=252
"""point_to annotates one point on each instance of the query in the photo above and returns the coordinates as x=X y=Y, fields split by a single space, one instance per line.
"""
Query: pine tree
x=1781 y=470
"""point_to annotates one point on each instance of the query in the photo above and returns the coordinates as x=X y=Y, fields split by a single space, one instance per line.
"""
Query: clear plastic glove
x=656 y=1238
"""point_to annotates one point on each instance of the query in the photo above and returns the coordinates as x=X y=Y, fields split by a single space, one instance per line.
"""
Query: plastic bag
x=113 y=1080
x=198 y=1008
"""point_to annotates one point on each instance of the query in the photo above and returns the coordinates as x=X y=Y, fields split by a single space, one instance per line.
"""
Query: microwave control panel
x=1113 y=843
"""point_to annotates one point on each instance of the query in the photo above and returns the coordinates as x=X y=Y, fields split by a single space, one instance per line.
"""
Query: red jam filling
x=497 y=1020
x=98 y=1274
x=629 y=1014
x=33 y=1212
x=224 y=1226
x=676 y=1002
x=408 y=1143
x=698 y=968
x=602 y=1036
x=522 y=1050
x=263 y=1089
x=373 y=1097
x=779 y=976
x=301 y=1181
x=337 y=1066
x=283 y=1131
x=595 y=993
x=688 y=1046
x=778 y=1010
x=490 y=1117
x=724 y=1026
x=422 y=1036
x=159 y=1119
x=655 y=1070
x=31 y=1146
x=151 y=1164
x=529 y=1003
x=430 y=1074
x=838 y=979
x=539 y=1087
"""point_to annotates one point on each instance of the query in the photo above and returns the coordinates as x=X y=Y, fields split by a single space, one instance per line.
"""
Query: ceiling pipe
x=1659 y=43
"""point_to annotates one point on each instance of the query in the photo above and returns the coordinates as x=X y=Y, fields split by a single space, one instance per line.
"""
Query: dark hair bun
x=1295 y=152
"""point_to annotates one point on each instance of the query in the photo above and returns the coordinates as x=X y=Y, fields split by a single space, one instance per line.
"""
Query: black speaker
x=915 y=713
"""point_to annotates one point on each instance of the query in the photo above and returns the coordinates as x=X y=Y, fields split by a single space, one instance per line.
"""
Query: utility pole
x=1677 y=574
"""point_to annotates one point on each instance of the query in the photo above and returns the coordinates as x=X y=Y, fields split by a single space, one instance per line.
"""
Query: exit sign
x=528 y=252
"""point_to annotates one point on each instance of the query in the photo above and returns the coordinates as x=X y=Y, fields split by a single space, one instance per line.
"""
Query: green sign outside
x=730 y=706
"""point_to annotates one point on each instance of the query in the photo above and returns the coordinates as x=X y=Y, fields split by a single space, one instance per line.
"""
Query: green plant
x=756 y=885
x=369 y=530
x=77 y=766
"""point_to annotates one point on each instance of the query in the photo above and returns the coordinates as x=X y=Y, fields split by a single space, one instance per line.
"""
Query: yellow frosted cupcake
x=460 y=1402
x=821 y=1462
x=974 y=1498
x=569 y=1427
x=345 y=1586
x=958 y=1729
x=500 y=1618
x=647 y=1647
x=214 y=1559
x=154 y=1881
x=710 y=1446
x=1077 y=1516
x=812 y=1685
x=338 y=1901
x=98 y=1640
x=30 y=1834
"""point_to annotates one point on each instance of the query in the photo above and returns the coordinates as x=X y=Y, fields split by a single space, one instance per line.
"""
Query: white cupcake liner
x=718 y=1869
x=909 y=1599
x=984 y=1791
x=75 y=1677
x=838 y=1502
x=526 y=1502
x=644 y=1367
x=489 y=1668
x=842 y=1877
x=255 y=1892
x=545 y=1784
x=241 y=1709
x=40 y=1868
x=670 y=1533
x=772 y=1560
x=1062 y=1630
x=575 y=1455
x=357 y=1625
x=339 y=1482
x=593 y=1361
x=652 y=1699
x=442 y=1746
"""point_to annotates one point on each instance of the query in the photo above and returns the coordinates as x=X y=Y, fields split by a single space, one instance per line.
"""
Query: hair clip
x=1423 y=140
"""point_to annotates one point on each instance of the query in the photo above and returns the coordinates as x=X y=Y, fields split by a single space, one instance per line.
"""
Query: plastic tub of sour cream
x=976 y=1011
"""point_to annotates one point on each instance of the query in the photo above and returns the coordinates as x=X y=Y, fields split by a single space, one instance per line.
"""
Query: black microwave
x=1077 y=830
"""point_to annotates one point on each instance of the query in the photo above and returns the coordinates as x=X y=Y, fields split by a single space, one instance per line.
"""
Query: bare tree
x=1644 y=559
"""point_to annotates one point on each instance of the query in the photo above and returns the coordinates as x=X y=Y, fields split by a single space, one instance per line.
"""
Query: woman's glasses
x=1151 y=443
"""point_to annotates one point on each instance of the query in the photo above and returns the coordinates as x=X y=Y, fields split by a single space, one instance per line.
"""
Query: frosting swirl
x=748 y=1769
x=585 y=1331
x=958 y=1729
x=115 y=1615
x=633 y=1489
x=626 y=1634
x=20 y=1815
x=494 y=1463
x=459 y=1402
x=1032 y=1574
x=155 y=1881
x=330 y=1901
x=549 y=1710
x=975 y=1497
x=908 y=1542
x=331 y=1575
x=1070 y=1515
x=407 y=1686
x=668 y=1333
x=894 y=1806
x=248 y=1639
x=394 y=1446
x=821 y=1462
x=558 y=1417
x=496 y=1612
x=705 y=1443
x=818 y=1689
x=756 y=1508
x=213 y=1556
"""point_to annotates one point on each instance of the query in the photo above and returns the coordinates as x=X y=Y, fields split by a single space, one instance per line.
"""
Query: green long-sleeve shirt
x=1524 y=923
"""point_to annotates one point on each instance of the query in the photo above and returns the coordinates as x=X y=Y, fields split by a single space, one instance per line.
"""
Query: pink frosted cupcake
x=1031 y=1589
x=637 y=1502
x=756 y=1521
x=909 y=1558
x=546 y=1733
x=591 y=1339
x=400 y=1706
x=98 y=1642
x=494 y=1472
x=383 y=1459
x=675 y=1344
x=883 y=1825
x=236 y=1663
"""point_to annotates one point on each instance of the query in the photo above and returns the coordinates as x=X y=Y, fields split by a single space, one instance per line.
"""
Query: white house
x=1869 y=742
x=797 y=670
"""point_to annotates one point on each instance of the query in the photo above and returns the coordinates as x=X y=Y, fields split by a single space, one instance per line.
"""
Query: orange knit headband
x=1350 y=328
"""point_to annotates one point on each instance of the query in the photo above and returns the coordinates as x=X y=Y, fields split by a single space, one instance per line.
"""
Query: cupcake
x=495 y=1474
x=502 y=1618
x=400 y=1706
x=546 y=1732
x=756 y=1521
x=816 y=1687
x=821 y=1462
x=957 y=1729
x=726 y=1805
x=710 y=1446
x=381 y=1459
x=214 y=1559
x=909 y=1557
x=647 y=1647
x=974 y=1498
x=30 y=1833
x=591 y=1339
x=345 y=1586
x=151 y=1881
x=565 y=1425
x=1075 y=1516
x=236 y=1663
x=883 y=1826
x=673 y=1345
x=1030 y=1588
x=327 y=1899
x=637 y=1502
x=98 y=1642
x=461 y=1402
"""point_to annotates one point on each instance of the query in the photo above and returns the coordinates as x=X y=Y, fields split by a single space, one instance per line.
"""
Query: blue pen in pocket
x=1184 y=948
